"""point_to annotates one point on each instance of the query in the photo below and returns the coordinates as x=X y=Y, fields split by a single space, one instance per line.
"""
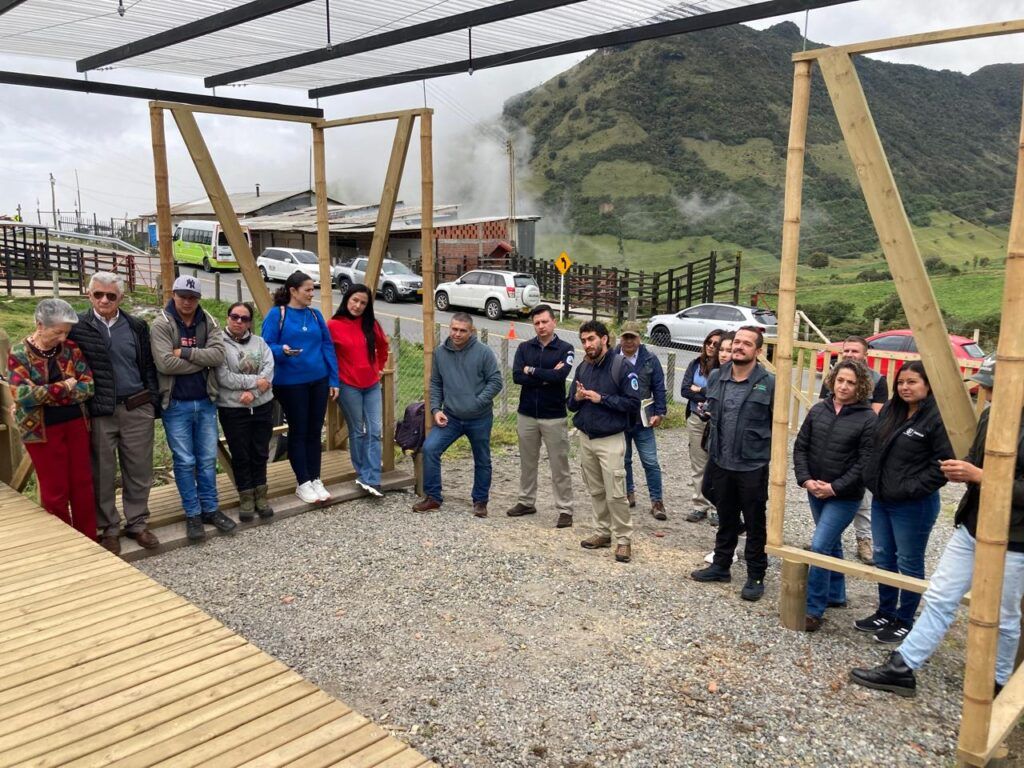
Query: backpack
x=409 y=432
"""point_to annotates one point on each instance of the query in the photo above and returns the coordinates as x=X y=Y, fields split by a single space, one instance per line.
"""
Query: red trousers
x=64 y=473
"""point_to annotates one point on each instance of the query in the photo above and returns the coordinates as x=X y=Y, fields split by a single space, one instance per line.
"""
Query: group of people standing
x=88 y=388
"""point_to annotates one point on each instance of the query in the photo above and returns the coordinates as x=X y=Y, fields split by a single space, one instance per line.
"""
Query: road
x=410 y=315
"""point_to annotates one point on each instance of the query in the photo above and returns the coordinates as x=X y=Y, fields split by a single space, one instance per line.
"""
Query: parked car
x=279 y=263
x=396 y=281
x=691 y=326
x=902 y=340
x=492 y=290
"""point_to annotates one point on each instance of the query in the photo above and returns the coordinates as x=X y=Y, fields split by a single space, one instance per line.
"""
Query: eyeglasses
x=104 y=294
x=240 y=318
x=710 y=343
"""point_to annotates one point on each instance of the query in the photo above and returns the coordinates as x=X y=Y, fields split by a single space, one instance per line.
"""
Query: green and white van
x=193 y=243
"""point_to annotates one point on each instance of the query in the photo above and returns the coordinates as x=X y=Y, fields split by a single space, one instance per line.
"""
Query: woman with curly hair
x=831 y=450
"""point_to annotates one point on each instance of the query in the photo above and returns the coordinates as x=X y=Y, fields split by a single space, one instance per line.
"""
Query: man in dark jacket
x=123 y=410
x=654 y=402
x=541 y=367
x=952 y=579
x=604 y=397
x=739 y=401
x=464 y=381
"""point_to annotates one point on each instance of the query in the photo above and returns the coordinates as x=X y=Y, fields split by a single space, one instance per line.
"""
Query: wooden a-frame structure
x=184 y=117
x=986 y=721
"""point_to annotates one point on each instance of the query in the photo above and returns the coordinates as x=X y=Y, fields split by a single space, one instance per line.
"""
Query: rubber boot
x=246 y=505
x=263 y=508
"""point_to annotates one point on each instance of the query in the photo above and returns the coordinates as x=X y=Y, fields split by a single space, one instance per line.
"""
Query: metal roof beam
x=752 y=12
x=155 y=94
x=476 y=18
x=7 y=5
x=251 y=11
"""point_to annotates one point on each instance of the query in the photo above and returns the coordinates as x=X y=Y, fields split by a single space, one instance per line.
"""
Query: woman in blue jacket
x=305 y=376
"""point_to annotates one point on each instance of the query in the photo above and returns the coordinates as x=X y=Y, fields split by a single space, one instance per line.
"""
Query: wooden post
x=12 y=450
x=878 y=326
x=221 y=203
x=505 y=379
x=901 y=251
x=670 y=375
x=631 y=304
x=386 y=211
x=163 y=201
x=323 y=231
x=427 y=258
x=238 y=290
x=388 y=405
x=55 y=277
x=216 y=285
x=996 y=494
x=794 y=579
x=793 y=594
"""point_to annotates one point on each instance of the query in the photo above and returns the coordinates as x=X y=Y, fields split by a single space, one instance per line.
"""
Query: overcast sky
x=107 y=139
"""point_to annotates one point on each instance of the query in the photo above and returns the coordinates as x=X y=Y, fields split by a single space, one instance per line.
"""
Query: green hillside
x=664 y=150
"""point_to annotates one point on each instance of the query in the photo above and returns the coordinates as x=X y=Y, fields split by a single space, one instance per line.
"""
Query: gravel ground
x=501 y=642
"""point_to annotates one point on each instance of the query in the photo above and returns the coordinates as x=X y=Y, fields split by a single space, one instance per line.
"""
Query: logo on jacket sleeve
x=570 y=358
x=633 y=382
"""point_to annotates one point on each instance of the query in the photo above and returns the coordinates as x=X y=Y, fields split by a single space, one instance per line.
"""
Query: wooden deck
x=101 y=666
x=165 y=504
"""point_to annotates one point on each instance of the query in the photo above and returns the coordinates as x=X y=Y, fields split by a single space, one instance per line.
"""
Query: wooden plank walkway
x=102 y=666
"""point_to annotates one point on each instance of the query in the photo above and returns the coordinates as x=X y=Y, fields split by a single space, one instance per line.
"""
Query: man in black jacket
x=123 y=410
x=541 y=367
x=605 y=398
x=952 y=579
x=739 y=400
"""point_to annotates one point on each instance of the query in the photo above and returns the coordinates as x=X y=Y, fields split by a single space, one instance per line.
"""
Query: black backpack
x=409 y=431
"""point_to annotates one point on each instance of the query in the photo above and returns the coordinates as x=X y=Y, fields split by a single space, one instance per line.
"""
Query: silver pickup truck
x=396 y=281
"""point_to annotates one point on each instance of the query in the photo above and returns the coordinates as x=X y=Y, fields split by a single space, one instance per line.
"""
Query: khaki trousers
x=601 y=460
x=554 y=433
x=124 y=438
x=698 y=460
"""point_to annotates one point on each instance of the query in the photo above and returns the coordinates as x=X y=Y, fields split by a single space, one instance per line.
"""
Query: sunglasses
x=240 y=318
x=104 y=294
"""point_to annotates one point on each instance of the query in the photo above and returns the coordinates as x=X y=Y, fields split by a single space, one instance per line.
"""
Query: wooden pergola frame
x=184 y=117
x=985 y=722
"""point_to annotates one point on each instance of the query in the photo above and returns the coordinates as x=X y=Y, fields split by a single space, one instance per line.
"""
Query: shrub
x=818 y=260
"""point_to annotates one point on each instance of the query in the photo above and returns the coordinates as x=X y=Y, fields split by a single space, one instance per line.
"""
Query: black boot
x=894 y=676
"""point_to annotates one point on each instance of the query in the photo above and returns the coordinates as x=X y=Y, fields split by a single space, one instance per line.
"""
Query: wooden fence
x=606 y=291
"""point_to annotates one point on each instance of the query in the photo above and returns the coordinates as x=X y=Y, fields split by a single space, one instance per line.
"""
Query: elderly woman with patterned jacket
x=245 y=406
x=50 y=380
x=831 y=450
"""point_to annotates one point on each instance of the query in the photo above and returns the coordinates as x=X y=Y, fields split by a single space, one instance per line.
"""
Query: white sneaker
x=307 y=493
x=321 y=491
x=372 y=490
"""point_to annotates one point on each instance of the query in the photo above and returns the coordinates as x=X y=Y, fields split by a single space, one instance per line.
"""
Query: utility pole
x=53 y=199
x=78 y=194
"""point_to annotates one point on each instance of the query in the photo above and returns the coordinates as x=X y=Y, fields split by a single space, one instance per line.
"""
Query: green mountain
x=686 y=137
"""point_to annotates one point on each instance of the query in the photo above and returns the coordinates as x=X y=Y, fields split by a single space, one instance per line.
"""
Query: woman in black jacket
x=831 y=450
x=694 y=389
x=904 y=476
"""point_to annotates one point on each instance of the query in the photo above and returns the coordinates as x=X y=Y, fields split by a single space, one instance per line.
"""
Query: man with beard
x=605 y=398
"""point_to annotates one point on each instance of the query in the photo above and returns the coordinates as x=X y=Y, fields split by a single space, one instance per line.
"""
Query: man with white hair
x=123 y=410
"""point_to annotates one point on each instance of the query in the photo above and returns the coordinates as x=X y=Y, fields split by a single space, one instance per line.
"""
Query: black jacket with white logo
x=904 y=465
x=543 y=389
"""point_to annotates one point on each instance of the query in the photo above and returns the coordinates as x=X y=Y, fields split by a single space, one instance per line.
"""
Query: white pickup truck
x=396 y=281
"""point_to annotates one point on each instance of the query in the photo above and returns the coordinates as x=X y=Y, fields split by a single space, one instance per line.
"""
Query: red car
x=902 y=340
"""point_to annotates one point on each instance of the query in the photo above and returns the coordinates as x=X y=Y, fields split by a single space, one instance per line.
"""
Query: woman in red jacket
x=362 y=350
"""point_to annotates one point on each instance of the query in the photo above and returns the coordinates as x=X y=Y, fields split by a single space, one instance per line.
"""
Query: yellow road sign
x=563 y=262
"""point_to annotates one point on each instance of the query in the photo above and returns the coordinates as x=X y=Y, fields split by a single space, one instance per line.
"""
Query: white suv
x=494 y=291
x=279 y=263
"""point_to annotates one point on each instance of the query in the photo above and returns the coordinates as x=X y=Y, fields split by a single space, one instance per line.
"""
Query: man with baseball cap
x=654 y=406
x=952 y=579
x=187 y=348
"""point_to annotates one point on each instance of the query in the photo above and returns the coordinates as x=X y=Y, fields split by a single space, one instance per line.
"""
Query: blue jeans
x=191 y=429
x=831 y=518
x=901 y=530
x=648 y=450
x=949 y=584
x=478 y=431
x=363 y=414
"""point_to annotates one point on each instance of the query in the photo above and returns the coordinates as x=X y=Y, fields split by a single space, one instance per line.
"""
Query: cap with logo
x=188 y=285
x=987 y=373
x=632 y=328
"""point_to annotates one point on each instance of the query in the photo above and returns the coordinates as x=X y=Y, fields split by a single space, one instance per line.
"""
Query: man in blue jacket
x=464 y=381
x=541 y=367
x=651 y=378
x=605 y=398
x=740 y=396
